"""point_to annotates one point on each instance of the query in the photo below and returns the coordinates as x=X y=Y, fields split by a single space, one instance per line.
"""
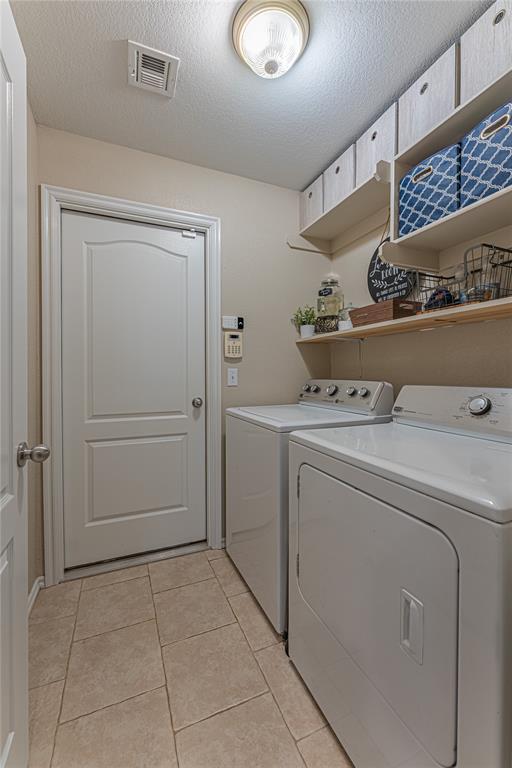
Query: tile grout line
x=66 y=675
x=109 y=706
x=222 y=711
x=43 y=685
x=115 y=583
x=295 y=741
x=198 y=634
x=112 y=629
x=263 y=647
x=180 y=586
x=166 y=686
x=35 y=622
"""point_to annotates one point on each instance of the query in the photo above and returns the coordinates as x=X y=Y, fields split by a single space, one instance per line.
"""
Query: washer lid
x=286 y=418
x=467 y=472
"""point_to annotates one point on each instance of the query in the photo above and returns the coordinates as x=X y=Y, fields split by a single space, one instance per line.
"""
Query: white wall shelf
x=467 y=313
x=421 y=248
x=460 y=121
x=483 y=216
x=370 y=196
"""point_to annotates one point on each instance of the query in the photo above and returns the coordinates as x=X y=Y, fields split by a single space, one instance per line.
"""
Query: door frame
x=55 y=200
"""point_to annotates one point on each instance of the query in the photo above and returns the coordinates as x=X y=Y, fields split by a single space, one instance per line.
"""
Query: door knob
x=197 y=402
x=38 y=453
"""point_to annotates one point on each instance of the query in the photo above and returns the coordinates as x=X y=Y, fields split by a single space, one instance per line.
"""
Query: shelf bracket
x=410 y=258
x=304 y=245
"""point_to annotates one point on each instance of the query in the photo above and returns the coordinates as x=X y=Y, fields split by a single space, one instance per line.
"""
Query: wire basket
x=485 y=274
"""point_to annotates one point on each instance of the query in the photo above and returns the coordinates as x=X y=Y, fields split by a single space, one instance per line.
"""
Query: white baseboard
x=36 y=586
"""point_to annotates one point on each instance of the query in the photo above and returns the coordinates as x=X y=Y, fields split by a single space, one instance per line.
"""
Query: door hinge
x=297 y=564
x=191 y=233
x=298 y=486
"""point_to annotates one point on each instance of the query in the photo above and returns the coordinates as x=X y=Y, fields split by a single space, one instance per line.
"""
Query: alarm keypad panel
x=233 y=345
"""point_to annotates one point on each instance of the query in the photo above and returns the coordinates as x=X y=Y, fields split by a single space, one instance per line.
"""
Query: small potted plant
x=304 y=321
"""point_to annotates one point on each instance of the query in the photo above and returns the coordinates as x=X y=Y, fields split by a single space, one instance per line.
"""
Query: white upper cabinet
x=340 y=178
x=377 y=143
x=429 y=100
x=311 y=203
x=486 y=50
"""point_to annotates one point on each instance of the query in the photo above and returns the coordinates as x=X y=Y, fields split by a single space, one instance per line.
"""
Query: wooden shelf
x=367 y=198
x=460 y=122
x=468 y=313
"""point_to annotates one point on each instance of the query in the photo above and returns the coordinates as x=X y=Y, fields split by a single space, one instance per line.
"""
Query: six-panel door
x=133 y=356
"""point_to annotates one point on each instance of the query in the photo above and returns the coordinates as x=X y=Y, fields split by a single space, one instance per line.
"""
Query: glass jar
x=330 y=297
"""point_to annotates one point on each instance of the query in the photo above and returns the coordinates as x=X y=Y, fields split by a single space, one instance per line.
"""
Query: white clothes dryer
x=400 y=613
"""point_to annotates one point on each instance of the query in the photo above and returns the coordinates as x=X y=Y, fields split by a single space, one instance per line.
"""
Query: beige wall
x=479 y=354
x=262 y=279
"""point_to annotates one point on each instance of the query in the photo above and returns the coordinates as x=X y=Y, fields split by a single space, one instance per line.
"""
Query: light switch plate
x=232 y=377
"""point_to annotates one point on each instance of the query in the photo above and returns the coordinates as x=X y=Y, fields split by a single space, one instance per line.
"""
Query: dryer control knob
x=479 y=405
x=315 y=388
x=331 y=390
x=363 y=392
x=351 y=391
x=306 y=388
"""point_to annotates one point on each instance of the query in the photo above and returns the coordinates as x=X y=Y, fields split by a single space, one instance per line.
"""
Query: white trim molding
x=53 y=201
x=36 y=586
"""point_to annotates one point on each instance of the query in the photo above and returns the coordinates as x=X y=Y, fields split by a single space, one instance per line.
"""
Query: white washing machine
x=257 y=476
x=400 y=616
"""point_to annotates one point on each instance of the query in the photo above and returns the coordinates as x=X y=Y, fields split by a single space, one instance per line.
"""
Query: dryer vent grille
x=152 y=70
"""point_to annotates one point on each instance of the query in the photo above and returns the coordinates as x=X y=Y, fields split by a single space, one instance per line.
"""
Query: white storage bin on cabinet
x=486 y=50
x=311 y=203
x=340 y=178
x=431 y=99
x=377 y=143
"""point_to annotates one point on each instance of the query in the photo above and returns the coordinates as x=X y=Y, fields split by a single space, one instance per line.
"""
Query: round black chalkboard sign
x=386 y=281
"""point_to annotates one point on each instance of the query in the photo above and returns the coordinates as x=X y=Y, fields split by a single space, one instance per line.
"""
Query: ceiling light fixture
x=270 y=35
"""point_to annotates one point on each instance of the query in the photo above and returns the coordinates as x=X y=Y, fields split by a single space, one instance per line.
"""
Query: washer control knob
x=315 y=388
x=351 y=391
x=363 y=392
x=479 y=405
x=306 y=388
x=331 y=390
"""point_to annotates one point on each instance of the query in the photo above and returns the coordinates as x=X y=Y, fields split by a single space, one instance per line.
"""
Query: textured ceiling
x=360 y=57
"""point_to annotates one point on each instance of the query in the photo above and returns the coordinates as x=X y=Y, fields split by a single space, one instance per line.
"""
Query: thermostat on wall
x=232 y=322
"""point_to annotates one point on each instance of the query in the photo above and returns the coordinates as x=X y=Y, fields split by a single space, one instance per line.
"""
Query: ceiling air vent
x=152 y=70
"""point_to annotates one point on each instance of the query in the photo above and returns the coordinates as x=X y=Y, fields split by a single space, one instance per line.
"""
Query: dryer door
x=386 y=586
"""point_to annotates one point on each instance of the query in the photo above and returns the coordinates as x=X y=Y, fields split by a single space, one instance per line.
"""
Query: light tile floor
x=168 y=666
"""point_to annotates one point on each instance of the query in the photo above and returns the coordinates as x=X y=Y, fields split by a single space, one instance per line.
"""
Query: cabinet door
x=377 y=143
x=431 y=99
x=311 y=203
x=340 y=178
x=486 y=49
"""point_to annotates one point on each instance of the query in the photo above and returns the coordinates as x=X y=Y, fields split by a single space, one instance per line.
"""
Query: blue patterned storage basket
x=430 y=190
x=486 y=157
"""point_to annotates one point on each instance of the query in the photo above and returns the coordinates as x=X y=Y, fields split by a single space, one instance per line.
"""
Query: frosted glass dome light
x=270 y=35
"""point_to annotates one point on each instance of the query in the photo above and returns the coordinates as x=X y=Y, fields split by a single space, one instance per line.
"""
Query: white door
x=13 y=395
x=133 y=361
